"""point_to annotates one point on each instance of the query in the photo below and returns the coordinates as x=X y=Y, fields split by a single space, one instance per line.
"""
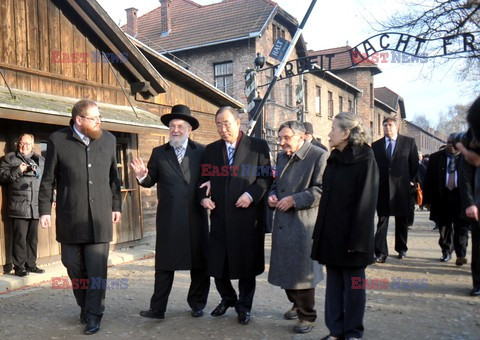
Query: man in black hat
x=182 y=225
x=309 y=136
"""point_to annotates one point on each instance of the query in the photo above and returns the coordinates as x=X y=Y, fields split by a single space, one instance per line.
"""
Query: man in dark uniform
x=81 y=164
x=397 y=160
x=182 y=225
x=238 y=169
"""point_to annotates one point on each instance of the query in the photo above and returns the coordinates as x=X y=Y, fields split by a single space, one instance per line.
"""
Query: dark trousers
x=246 y=291
x=197 y=294
x=401 y=235
x=476 y=254
x=304 y=301
x=454 y=235
x=411 y=208
x=87 y=261
x=25 y=240
x=344 y=306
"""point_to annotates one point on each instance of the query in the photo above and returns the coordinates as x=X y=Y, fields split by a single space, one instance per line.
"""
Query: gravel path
x=427 y=300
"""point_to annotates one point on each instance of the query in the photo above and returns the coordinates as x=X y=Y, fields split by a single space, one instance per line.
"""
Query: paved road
x=435 y=306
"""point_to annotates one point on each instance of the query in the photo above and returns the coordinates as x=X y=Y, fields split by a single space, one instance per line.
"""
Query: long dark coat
x=344 y=231
x=434 y=189
x=236 y=234
x=23 y=187
x=182 y=225
x=301 y=177
x=396 y=175
x=88 y=188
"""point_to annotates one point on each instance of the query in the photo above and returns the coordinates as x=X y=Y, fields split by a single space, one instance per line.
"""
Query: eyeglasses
x=93 y=119
x=226 y=125
x=179 y=127
x=24 y=144
x=285 y=138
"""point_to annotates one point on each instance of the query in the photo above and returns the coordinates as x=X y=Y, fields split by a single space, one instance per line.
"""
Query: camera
x=32 y=167
x=468 y=140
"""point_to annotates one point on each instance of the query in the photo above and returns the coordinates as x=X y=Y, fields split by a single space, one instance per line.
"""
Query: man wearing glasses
x=81 y=164
x=182 y=225
x=236 y=246
x=22 y=172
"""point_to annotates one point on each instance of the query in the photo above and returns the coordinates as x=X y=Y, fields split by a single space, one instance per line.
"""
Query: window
x=330 y=104
x=340 y=104
x=350 y=106
x=223 y=74
x=318 y=102
x=371 y=95
x=288 y=92
x=305 y=95
x=379 y=123
x=278 y=32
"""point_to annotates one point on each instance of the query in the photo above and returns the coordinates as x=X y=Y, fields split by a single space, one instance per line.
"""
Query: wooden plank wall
x=41 y=50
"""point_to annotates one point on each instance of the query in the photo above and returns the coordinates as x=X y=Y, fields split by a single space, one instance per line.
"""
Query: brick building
x=219 y=42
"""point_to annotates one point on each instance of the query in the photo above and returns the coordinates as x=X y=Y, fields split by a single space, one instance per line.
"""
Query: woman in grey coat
x=295 y=196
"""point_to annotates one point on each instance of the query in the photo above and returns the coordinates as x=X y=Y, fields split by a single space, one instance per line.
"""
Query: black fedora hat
x=180 y=112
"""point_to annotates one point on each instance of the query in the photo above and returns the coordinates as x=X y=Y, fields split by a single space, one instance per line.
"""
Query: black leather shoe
x=35 y=270
x=461 y=261
x=221 y=309
x=381 y=258
x=21 y=272
x=152 y=314
x=475 y=291
x=243 y=318
x=446 y=257
x=402 y=255
x=83 y=316
x=93 y=325
x=196 y=313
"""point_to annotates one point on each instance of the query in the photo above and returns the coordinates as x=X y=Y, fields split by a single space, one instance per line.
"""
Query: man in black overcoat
x=238 y=169
x=182 y=224
x=441 y=192
x=81 y=164
x=397 y=160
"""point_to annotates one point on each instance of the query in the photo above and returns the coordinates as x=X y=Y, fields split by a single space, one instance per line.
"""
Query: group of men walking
x=228 y=182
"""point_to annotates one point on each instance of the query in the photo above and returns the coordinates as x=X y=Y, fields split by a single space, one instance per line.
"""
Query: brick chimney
x=132 y=22
x=165 y=19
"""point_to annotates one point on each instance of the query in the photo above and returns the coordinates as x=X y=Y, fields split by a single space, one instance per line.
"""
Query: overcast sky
x=338 y=23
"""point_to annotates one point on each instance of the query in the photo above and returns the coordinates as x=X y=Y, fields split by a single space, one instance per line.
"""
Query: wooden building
x=55 y=52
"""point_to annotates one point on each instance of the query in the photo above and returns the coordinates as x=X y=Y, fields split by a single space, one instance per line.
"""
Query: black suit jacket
x=435 y=193
x=237 y=231
x=88 y=188
x=182 y=225
x=395 y=175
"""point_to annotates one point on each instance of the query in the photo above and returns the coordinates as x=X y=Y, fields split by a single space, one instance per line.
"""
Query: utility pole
x=258 y=109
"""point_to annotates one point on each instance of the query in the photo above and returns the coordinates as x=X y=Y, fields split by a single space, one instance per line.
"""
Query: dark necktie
x=389 y=150
x=451 y=173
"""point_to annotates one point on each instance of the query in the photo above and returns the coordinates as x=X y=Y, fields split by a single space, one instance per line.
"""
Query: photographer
x=21 y=171
x=470 y=187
